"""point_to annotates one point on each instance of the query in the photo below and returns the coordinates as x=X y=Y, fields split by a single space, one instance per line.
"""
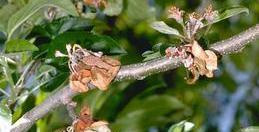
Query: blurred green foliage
x=159 y=103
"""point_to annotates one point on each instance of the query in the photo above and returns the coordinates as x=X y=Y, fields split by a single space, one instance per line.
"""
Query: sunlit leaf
x=141 y=113
x=183 y=126
x=32 y=7
x=20 y=45
x=251 y=129
x=5 y=13
x=162 y=27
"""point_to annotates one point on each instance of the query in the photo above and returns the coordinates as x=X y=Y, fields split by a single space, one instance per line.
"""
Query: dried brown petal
x=198 y=52
x=99 y=123
x=111 y=61
x=204 y=62
x=211 y=62
x=201 y=66
x=87 y=66
x=195 y=75
x=209 y=74
x=100 y=126
x=78 y=86
x=79 y=126
x=78 y=81
x=100 y=79
x=84 y=121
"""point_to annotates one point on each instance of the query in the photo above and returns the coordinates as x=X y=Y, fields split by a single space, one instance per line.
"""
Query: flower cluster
x=176 y=14
x=209 y=14
x=180 y=53
x=193 y=25
x=86 y=123
x=194 y=22
x=195 y=59
x=89 y=67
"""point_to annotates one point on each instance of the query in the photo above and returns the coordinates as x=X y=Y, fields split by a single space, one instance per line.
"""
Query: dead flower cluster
x=89 y=67
x=86 y=123
x=195 y=59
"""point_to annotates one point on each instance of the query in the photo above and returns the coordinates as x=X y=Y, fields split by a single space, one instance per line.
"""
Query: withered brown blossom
x=86 y=123
x=89 y=67
x=195 y=59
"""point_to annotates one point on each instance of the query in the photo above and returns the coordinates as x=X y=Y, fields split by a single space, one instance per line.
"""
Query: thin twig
x=134 y=71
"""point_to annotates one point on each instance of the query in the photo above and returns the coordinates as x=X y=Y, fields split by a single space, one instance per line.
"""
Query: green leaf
x=150 y=55
x=5 y=118
x=142 y=113
x=183 y=126
x=251 y=129
x=139 y=10
x=20 y=45
x=232 y=11
x=158 y=50
x=55 y=82
x=5 y=13
x=113 y=8
x=87 y=40
x=59 y=26
x=32 y=7
x=152 y=102
x=162 y=27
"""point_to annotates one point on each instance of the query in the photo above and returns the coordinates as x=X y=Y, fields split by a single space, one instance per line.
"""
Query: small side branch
x=133 y=71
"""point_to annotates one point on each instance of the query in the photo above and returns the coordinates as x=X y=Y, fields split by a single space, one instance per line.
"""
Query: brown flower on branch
x=79 y=81
x=195 y=59
x=89 y=67
x=206 y=61
x=85 y=123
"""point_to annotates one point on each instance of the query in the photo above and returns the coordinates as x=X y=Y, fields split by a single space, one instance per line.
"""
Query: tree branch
x=134 y=71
